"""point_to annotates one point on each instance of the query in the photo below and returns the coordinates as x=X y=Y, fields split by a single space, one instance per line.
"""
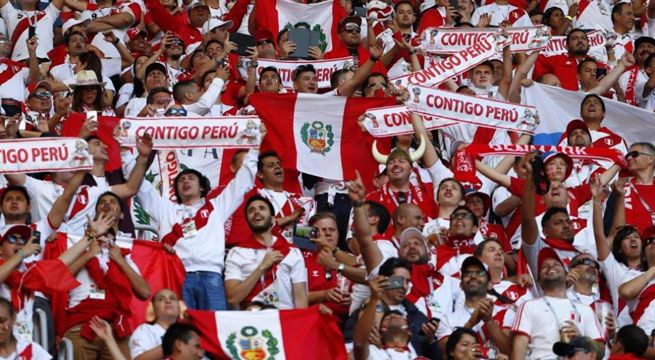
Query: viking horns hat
x=398 y=152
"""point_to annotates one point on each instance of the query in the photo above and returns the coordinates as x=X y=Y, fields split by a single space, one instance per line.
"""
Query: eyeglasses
x=176 y=112
x=461 y=216
x=585 y=261
x=634 y=154
x=353 y=30
x=264 y=42
x=13 y=239
x=371 y=85
x=42 y=95
x=478 y=273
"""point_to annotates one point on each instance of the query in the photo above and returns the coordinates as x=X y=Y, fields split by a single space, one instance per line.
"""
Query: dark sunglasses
x=585 y=261
x=354 y=30
x=264 y=42
x=13 y=239
x=635 y=154
x=176 y=112
x=461 y=215
x=42 y=95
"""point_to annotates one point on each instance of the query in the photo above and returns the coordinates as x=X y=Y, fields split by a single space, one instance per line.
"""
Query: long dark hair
x=454 y=339
x=621 y=234
x=98 y=103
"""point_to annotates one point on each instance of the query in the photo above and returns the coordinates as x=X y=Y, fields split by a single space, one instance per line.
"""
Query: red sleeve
x=431 y=18
x=541 y=67
x=516 y=186
x=237 y=13
x=135 y=9
x=162 y=18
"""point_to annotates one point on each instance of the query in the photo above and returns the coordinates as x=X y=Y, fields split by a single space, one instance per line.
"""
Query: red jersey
x=564 y=66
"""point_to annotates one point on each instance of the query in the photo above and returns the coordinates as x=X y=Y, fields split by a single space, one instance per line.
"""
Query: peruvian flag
x=324 y=17
x=591 y=16
x=270 y=334
x=319 y=134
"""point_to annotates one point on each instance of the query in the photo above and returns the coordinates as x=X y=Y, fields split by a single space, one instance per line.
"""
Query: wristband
x=412 y=52
x=115 y=42
x=254 y=64
x=340 y=268
x=374 y=59
x=357 y=204
x=569 y=18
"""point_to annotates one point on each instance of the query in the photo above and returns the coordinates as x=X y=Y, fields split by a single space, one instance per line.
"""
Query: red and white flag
x=318 y=135
x=324 y=17
x=270 y=334
x=44 y=154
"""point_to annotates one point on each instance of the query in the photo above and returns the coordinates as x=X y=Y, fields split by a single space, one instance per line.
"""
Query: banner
x=594 y=153
x=632 y=123
x=286 y=68
x=455 y=64
x=397 y=120
x=180 y=132
x=557 y=44
x=44 y=154
x=452 y=40
x=471 y=109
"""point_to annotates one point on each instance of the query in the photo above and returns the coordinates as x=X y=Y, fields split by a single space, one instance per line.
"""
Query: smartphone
x=302 y=235
x=360 y=11
x=600 y=72
x=434 y=322
x=454 y=4
x=395 y=282
x=36 y=237
x=31 y=31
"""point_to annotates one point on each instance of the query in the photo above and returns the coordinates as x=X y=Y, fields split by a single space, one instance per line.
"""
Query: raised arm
x=603 y=246
x=371 y=254
x=131 y=187
x=506 y=80
x=430 y=156
x=529 y=229
x=493 y=174
x=110 y=22
x=60 y=207
x=351 y=85
x=367 y=319
x=606 y=83
x=514 y=95
x=139 y=286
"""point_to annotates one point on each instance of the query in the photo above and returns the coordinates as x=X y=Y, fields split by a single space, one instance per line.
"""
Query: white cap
x=70 y=23
x=213 y=23
x=411 y=233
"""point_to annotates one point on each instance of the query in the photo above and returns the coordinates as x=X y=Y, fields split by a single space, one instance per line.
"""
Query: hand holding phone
x=36 y=237
x=395 y=282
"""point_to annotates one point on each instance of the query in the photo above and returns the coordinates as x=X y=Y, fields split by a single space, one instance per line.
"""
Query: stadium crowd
x=431 y=179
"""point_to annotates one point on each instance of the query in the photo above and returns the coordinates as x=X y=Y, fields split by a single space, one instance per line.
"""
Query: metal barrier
x=65 y=350
x=145 y=232
x=40 y=333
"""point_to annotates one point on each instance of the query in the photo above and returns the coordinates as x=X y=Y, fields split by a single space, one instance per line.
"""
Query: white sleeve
x=531 y=253
x=39 y=353
x=140 y=342
x=475 y=18
x=232 y=196
x=298 y=271
x=613 y=270
x=208 y=99
x=152 y=202
x=8 y=12
x=523 y=323
x=438 y=171
x=444 y=328
x=233 y=266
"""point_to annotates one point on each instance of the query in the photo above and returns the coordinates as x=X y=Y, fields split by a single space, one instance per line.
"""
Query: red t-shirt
x=564 y=66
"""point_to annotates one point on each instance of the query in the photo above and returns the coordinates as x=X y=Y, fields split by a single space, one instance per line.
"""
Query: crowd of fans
x=538 y=256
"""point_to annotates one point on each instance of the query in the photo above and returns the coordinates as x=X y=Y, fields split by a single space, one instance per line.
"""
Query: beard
x=260 y=229
x=550 y=283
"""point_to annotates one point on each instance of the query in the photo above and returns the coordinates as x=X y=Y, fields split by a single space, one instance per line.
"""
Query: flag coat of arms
x=270 y=334
x=323 y=17
x=319 y=134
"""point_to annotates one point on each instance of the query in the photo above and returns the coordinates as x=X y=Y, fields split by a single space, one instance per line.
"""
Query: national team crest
x=252 y=346
x=318 y=137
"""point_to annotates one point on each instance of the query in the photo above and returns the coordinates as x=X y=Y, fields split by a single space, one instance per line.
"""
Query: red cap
x=349 y=20
x=577 y=124
x=22 y=230
x=44 y=84
x=567 y=159
x=263 y=34
x=545 y=254
x=133 y=33
x=486 y=199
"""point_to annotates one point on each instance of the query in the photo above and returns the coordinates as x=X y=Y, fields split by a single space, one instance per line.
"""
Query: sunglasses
x=353 y=30
x=478 y=273
x=176 y=112
x=585 y=261
x=264 y=42
x=42 y=95
x=635 y=154
x=13 y=239
x=460 y=216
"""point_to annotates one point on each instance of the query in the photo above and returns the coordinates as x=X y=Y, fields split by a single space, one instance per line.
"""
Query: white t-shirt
x=640 y=81
x=541 y=323
x=44 y=29
x=375 y=353
x=38 y=353
x=135 y=105
x=145 y=338
x=616 y=274
x=241 y=262
x=15 y=87
x=500 y=13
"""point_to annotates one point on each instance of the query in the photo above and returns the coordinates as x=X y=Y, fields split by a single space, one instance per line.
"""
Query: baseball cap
x=545 y=254
x=577 y=124
x=472 y=261
x=643 y=40
x=197 y=3
x=213 y=23
x=23 y=230
x=578 y=343
x=411 y=233
x=35 y=85
x=134 y=33
x=349 y=20
x=70 y=23
x=156 y=66
x=547 y=157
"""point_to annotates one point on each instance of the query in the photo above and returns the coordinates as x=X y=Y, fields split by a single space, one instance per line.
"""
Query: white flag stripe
x=316 y=15
x=236 y=332
x=318 y=134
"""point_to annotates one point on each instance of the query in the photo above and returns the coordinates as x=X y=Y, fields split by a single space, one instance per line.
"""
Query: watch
x=340 y=268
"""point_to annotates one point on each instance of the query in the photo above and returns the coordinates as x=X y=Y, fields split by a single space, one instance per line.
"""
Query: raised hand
x=144 y=145
x=357 y=190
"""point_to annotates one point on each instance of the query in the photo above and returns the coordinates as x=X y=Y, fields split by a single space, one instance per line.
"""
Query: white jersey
x=200 y=247
x=14 y=80
x=65 y=73
x=639 y=82
x=145 y=338
x=616 y=274
x=37 y=352
x=20 y=21
x=375 y=353
x=540 y=320
x=241 y=262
